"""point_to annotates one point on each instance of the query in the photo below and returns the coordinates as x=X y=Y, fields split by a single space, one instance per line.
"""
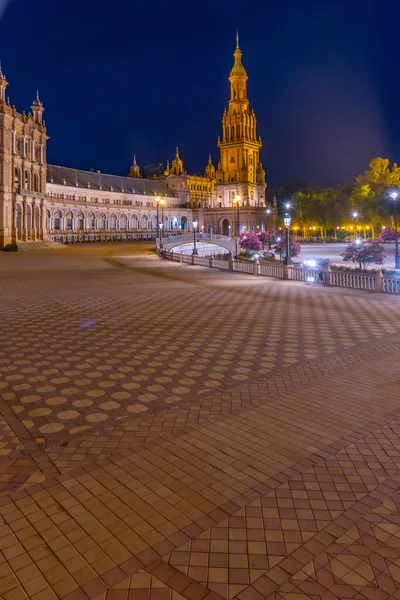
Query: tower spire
x=134 y=171
x=237 y=39
x=3 y=85
x=37 y=109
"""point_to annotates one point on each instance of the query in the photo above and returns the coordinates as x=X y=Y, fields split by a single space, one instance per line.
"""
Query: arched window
x=69 y=221
x=17 y=177
x=36 y=182
x=123 y=223
x=27 y=180
x=80 y=222
x=57 y=220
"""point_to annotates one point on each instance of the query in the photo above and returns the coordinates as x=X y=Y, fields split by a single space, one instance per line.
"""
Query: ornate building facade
x=46 y=202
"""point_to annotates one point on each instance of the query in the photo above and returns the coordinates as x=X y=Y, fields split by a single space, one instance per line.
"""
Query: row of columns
x=30 y=227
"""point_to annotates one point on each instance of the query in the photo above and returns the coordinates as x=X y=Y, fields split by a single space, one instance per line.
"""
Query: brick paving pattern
x=168 y=433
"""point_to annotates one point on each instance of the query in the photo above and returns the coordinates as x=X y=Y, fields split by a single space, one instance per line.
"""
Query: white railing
x=243 y=267
x=391 y=285
x=310 y=275
x=357 y=281
x=371 y=282
x=272 y=271
x=203 y=261
x=225 y=241
x=220 y=264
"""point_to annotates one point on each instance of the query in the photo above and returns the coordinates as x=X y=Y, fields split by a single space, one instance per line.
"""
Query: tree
x=266 y=238
x=365 y=253
x=294 y=246
x=388 y=235
x=250 y=242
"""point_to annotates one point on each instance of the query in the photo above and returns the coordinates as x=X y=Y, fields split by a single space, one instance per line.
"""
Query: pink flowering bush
x=294 y=246
x=365 y=253
x=388 y=235
x=249 y=242
x=266 y=238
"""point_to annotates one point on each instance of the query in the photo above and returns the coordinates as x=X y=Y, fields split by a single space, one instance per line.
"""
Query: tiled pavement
x=169 y=433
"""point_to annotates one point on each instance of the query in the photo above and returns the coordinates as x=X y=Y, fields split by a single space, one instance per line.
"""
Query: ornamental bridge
x=206 y=243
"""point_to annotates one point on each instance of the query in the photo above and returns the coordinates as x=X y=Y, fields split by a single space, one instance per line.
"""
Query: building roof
x=104 y=182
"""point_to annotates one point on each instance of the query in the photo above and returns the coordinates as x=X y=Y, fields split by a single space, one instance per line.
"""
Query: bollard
x=181 y=256
x=230 y=263
x=210 y=262
x=379 y=281
x=327 y=275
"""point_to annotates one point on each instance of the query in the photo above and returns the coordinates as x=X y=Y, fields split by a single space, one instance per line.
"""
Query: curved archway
x=57 y=220
x=69 y=219
x=48 y=220
x=123 y=222
x=225 y=227
x=184 y=224
x=28 y=214
x=112 y=221
x=101 y=222
x=91 y=221
x=80 y=221
x=18 y=220
x=37 y=218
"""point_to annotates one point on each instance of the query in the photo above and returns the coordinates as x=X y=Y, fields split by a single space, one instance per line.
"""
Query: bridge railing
x=224 y=241
x=371 y=282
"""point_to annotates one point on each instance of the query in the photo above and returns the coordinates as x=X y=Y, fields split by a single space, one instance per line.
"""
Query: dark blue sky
x=120 y=77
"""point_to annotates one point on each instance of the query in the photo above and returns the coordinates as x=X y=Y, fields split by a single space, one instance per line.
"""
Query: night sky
x=122 y=77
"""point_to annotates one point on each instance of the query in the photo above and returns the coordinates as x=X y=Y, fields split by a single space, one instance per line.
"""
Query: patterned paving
x=167 y=433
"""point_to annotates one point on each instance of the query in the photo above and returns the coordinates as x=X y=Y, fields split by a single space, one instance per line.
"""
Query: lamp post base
x=195 y=253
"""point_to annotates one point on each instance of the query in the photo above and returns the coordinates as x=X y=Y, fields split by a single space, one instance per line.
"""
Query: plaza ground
x=169 y=432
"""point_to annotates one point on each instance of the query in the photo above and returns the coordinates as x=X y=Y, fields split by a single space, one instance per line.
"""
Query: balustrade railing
x=357 y=281
x=243 y=267
x=371 y=282
x=272 y=271
x=391 y=285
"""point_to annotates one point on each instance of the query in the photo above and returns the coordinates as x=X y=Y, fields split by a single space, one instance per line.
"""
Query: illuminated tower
x=134 y=171
x=240 y=170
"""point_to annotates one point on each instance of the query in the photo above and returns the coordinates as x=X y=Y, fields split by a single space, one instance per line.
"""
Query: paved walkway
x=170 y=433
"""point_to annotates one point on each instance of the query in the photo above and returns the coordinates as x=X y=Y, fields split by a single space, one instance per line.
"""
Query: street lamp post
x=160 y=225
x=162 y=202
x=395 y=195
x=158 y=199
x=195 y=223
x=236 y=202
x=287 y=220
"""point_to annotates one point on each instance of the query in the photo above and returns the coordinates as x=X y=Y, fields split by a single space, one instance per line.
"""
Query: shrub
x=250 y=242
x=294 y=246
x=266 y=238
x=388 y=235
x=365 y=253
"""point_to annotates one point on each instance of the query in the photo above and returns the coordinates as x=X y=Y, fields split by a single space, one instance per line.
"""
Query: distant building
x=46 y=202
